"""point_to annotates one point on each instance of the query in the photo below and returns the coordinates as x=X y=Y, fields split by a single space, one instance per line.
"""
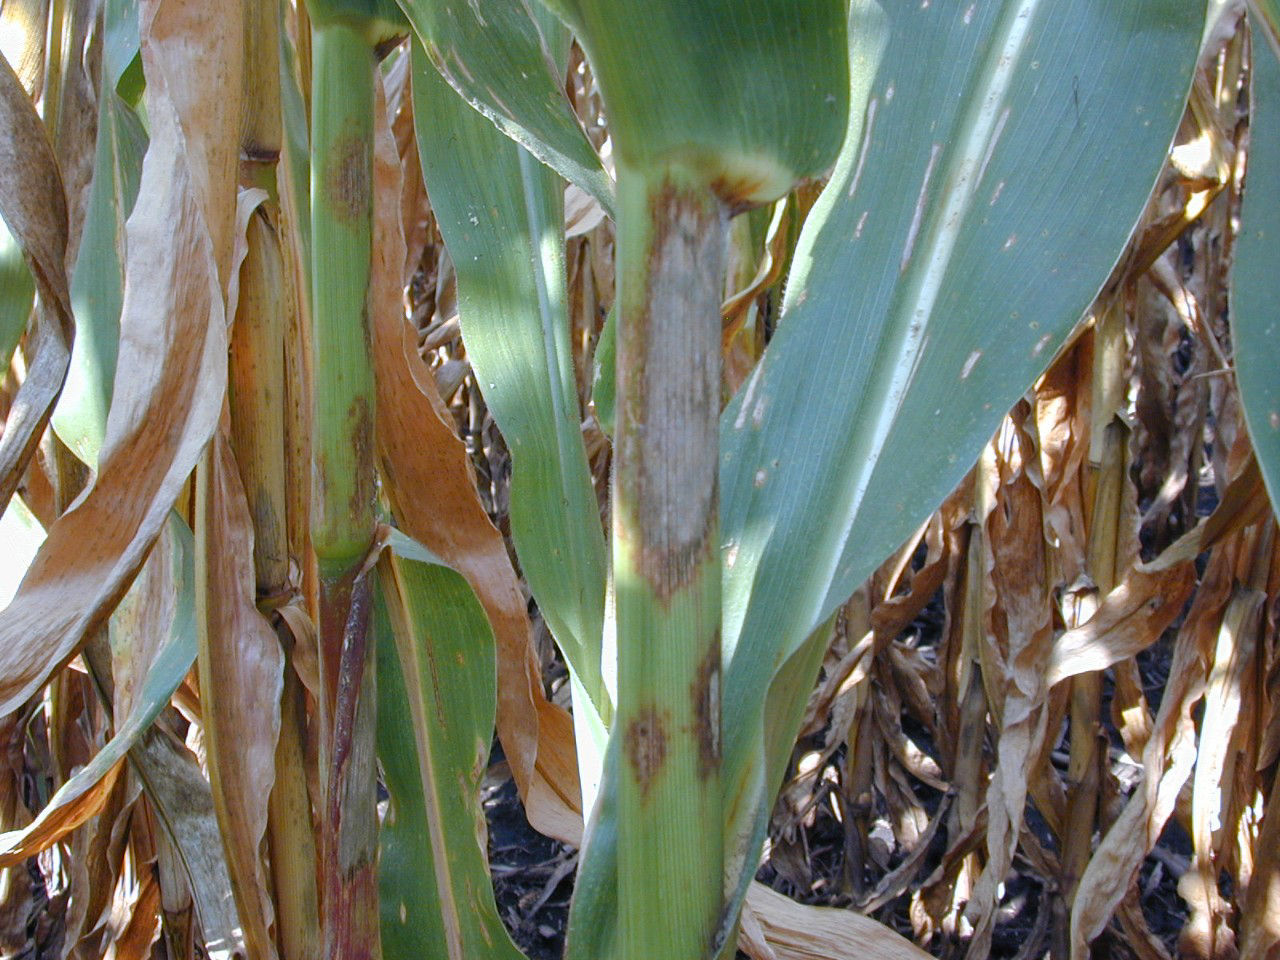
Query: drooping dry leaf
x=180 y=796
x=171 y=372
x=794 y=931
x=241 y=669
x=427 y=478
x=1020 y=622
x=134 y=941
x=1205 y=935
x=34 y=206
x=1129 y=619
x=1167 y=761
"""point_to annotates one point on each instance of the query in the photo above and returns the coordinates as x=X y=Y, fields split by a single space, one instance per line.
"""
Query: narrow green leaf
x=502 y=217
x=604 y=376
x=17 y=296
x=437 y=697
x=977 y=208
x=500 y=56
x=1255 y=288
x=97 y=284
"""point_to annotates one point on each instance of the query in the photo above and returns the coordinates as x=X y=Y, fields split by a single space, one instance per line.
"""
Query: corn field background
x=333 y=420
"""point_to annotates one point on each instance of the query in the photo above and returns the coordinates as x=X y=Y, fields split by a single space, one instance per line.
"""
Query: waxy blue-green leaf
x=437 y=697
x=1255 y=291
x=97 y=283
x=501 y=215
x=1264 y=17
x=748 y=96
x=977 y=208
x=502 y=58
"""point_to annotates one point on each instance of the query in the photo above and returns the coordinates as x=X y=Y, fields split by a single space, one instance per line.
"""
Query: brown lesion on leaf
x=360 y=432
x=645 y=745
x=349 y=177
x=705 y=692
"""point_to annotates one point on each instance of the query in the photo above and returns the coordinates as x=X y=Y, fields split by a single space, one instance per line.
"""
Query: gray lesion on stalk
x=672 y=350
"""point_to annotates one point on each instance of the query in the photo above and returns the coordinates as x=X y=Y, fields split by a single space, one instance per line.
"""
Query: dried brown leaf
x=795 y=931
x=33 y=204
x=143 y=622
x=180 y=795
x=134 y=941
x=1129 y=619
x=1167 y=761
x=241 y=670
x=1018 y=630
x=171 y=371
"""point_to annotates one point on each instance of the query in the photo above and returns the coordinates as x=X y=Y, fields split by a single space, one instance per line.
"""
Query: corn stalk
x=345 y=38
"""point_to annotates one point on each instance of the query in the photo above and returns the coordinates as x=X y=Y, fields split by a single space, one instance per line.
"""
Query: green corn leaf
x=603 y=376
x=97 y=284
x=1264 y=17
x=17 y=296
x=719 y=86
x=377 y=20
x=437 y=697
x=505 y=58
x=1255 y=290
x=501 y=214
x=973 y=215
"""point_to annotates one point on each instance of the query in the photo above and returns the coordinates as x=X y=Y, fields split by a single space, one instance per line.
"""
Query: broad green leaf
x=748 y=98
x=1255 y=289
x=1265 y=19
x=501 y=214
x=120 y=48
x=437 y=695
x=977 y=208
x=501 y=57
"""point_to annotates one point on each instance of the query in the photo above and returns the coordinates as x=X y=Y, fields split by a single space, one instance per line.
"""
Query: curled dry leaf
x=427 y=478
x=34 y=206
x=1016 y=564
x=241 y=670
x=134 y=941
x=1129 y=619
x=1167 y=760
x=171 y=373
x=794 y=931
x=180 y=796
x=1133 y=615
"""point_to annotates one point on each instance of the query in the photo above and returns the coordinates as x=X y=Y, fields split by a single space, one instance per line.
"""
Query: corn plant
x=833 y=245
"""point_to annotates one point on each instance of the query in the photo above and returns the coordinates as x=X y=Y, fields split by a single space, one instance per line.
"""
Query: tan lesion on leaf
x=705 y=693
x=348 y=178
x=645 y=746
